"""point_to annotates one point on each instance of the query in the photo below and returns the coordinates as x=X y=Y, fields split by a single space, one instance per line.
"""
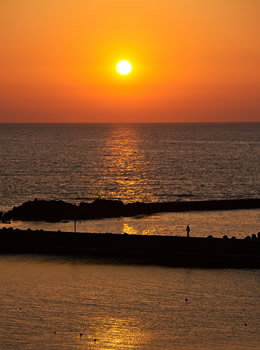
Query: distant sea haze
x=129 y=162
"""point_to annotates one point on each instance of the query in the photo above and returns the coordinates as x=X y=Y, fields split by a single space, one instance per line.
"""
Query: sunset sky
x=192 y=61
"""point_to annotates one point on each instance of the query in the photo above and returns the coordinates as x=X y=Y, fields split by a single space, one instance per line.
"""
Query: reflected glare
x=129 y=230
x=125 y=164
x=114 y=333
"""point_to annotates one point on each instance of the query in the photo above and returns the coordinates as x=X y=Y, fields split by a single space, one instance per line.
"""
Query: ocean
x=135 y=162
x=56 y=303
x=129 y=162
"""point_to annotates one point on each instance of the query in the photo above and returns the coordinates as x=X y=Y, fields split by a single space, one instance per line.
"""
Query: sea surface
x=129 y=162
x=45 y=303
x=48 y=302
x=135 y=162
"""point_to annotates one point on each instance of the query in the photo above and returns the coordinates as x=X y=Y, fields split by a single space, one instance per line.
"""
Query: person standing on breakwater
x=188 y=230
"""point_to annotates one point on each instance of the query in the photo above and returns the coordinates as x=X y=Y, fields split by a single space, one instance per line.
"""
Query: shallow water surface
x=45 y=303
x=238 y=223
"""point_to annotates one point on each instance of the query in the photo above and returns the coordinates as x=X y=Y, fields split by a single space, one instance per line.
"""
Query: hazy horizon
x=193 y=122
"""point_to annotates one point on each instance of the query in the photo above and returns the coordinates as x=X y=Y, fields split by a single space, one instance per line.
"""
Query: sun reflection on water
x=115 y=333
x=129 y=230
x=124 y=164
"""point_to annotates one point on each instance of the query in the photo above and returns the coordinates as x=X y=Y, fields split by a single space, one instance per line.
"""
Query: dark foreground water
x=46 y=304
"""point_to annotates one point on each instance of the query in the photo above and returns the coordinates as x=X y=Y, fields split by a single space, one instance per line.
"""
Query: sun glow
x=124 y=67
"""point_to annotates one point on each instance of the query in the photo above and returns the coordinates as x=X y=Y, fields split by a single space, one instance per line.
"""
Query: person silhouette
x=188 y=230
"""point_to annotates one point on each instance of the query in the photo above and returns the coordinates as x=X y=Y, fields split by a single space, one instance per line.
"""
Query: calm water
x=238 y=223
x=125 y=307
x=144 y=162
x=130 y=307
x=45 y=303
x=130 y=162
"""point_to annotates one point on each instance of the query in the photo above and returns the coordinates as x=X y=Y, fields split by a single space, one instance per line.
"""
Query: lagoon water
x=238 y=223
x=45 y=303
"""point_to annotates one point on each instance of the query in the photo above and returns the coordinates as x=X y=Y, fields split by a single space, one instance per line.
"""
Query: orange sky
x=192 y=60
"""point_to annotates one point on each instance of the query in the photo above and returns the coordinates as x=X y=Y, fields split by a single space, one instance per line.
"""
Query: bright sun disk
x=124 y=67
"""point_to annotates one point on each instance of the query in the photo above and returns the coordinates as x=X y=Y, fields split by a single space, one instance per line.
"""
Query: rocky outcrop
x=59 y=210
x=41 y=210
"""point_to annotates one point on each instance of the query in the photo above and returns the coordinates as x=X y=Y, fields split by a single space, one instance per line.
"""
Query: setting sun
x=124 y=67
x=89 y=62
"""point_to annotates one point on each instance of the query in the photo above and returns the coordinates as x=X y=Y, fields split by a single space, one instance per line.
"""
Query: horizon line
x=153 y=122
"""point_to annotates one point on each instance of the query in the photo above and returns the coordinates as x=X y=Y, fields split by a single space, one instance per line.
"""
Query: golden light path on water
x=125 y=164
x=115 y=333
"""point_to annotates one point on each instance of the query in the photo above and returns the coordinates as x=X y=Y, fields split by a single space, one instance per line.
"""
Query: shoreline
x=173 y=251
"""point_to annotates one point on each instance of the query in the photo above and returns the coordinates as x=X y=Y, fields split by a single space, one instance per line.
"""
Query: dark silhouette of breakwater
x=160 y=250
x=52 y=210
